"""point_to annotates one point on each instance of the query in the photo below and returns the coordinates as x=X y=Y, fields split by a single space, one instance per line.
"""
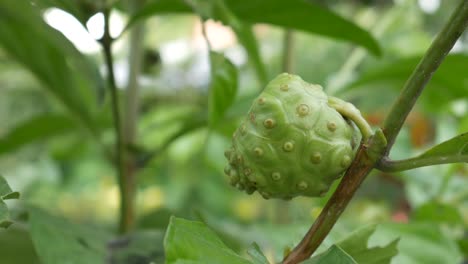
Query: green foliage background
x=55 y=118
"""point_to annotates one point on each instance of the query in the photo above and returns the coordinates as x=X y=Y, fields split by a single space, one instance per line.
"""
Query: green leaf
x=193 y=242
x=457 y=146
x=419 y=243
x=334 y=255
x=62 y=69
x=5 y=193
x=141 y=247
x=436 y=212
x=37 y=128
x=57 y=240
x=450 y=78
x=257 y=255
x=223 y=86
x=356 y=246
x=16 y=246
x=304 y=16
x=294 y=14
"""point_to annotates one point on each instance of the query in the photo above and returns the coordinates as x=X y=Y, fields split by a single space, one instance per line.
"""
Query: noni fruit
x=294 y=141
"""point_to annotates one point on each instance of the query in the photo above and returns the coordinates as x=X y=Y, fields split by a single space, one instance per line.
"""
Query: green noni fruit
x=294 y=141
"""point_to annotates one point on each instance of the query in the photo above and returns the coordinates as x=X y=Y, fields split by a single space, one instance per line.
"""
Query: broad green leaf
x=294 y=14
x=141 y=247
x=223 y=86
x=61 y=68
x=448 y=83
x=334 y=255
x=37 y=128
x=5 y=193
x=256 y=254
x=305 y=16
x=419 y=243
x=437 y=212
x=356 y=246
x=59 y=241
x=16 y=247
x=193 y=242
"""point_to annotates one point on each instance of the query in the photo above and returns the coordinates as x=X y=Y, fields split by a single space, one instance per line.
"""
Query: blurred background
x=65 y=172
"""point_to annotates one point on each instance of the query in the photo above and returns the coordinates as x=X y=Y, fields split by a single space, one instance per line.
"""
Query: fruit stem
x=349 y=111
x=371 y=151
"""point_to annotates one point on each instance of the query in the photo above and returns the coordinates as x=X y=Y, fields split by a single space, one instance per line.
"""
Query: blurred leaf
x=463 y=245
x=36 y=128
x=62 y=69
x=245 y=35
x=356 y=246
x=257 y=255
x=247 y=38
x=295 y=14
x=57 y=239
x=223 y=86
x=192 y=242
x=218 y=10
x=434 y=211
x=305 y=16
x=157 y=219
x=137 y=248
x=5 y=193
x=82 y=10
x=448 y=83
x=16 y=247
x=419 y=243
x=334 y=255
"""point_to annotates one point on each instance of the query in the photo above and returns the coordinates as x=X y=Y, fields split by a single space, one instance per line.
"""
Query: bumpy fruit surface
x=292 y=143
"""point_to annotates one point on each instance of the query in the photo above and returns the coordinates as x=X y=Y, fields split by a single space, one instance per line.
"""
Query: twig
x=126 y=205
x=369 y=152
x=388 y=165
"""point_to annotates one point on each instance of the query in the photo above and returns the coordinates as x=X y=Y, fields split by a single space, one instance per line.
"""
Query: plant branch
x=439 y=48
x=126 y=207
x=388 y=165
x=371 y=151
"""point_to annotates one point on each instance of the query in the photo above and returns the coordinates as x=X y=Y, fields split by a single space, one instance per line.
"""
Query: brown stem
x=362 y=165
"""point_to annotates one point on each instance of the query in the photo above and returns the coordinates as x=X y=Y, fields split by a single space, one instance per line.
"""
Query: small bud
x=316 y=158
x=288 y=146
x=276 y=176
x=302 y=185
x=331 y=126
x=302 y=110
x=258 y=151
x=269 y=123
